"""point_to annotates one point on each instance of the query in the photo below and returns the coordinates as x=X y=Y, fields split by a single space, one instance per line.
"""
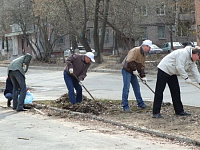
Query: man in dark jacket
x=8 y=91
x=16 y=73
x=77 y=65
x=133 y=66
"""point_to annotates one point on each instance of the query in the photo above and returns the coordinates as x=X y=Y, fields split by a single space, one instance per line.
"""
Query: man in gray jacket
x=16 y=73
x=170 y=66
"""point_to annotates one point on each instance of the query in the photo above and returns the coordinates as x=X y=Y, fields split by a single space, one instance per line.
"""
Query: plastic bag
x=29 y=98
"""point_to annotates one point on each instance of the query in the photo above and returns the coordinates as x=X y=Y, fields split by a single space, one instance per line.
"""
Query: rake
x=83 y=86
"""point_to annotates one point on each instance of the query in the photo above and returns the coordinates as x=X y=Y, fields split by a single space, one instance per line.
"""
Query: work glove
x=136 y=73
x=144 y=80
x=188 y=81
x=71 y=70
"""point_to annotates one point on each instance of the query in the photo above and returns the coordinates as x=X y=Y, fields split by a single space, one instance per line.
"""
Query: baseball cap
x=147 y=42
x=90 y=55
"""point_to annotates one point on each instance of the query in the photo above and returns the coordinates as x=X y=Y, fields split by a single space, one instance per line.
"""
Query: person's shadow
x=6 y=111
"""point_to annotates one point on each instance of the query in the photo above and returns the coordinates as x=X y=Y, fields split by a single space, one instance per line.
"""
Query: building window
x=100 y=32
x=145 y=36
x=183 y=29
x=107 y=36
x=161 y=32
x=61 y=40
x=144 y=10
x=88 y=35
x=161 y=10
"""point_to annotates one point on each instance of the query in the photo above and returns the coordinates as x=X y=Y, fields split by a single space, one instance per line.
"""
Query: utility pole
x=176 y=18
x=197 y=20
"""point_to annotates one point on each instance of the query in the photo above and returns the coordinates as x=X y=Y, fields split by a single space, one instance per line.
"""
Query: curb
x=142 y=130
x=104 y=71
x=62 y=68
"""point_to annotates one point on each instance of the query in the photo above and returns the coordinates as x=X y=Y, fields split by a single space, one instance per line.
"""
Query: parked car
x=166 y=47
x=67 y=52
x=155 y=49
x=193 y=44
x=80 y=50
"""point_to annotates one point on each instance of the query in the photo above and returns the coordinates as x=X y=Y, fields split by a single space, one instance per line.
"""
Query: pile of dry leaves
x=90 y=106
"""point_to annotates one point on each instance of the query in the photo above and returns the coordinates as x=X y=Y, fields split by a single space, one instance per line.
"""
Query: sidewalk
x=29 y=130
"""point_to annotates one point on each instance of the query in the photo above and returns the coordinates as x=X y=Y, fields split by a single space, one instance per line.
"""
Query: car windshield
x=176 y=44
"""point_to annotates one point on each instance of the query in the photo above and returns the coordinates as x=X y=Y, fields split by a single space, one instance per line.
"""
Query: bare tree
x=79 y=26
x=125 y=18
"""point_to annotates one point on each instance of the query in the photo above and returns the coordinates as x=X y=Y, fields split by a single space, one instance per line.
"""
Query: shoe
x=127 y=110
x=18 y=110
x=27 y=107
x=143 y=106
x=157 y=116
x=183 y=114
x=8 y=103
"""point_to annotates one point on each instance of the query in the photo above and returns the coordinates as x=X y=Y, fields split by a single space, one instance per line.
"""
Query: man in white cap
x=77 y=66
x=133 y=66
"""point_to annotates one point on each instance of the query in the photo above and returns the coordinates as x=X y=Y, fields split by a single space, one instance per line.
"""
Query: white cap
x=147 y=42
x=90 y=55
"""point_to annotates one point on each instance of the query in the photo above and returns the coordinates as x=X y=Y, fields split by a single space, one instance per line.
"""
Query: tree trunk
x=96 y=34
x=106 y=7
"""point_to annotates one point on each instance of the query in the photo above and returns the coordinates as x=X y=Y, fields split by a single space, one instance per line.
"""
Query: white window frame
x=144 y=10
x=145 y=35
x=88 y=32
x=107 y=36
x=163 y=32
x=161 y=10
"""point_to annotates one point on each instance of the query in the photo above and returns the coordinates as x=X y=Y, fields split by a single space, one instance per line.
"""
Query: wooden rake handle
x=83 y=86
x=195 y=85
x=146 y=84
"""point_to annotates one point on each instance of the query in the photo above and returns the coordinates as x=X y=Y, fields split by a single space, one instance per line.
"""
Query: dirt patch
x=187 y=127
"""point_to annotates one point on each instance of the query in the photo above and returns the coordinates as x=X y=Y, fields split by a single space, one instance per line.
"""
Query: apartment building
x=166 y=20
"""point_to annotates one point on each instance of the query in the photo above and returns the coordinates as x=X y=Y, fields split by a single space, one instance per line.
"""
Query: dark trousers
x=172 y=81
x=18 y=81
x=72 y=83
